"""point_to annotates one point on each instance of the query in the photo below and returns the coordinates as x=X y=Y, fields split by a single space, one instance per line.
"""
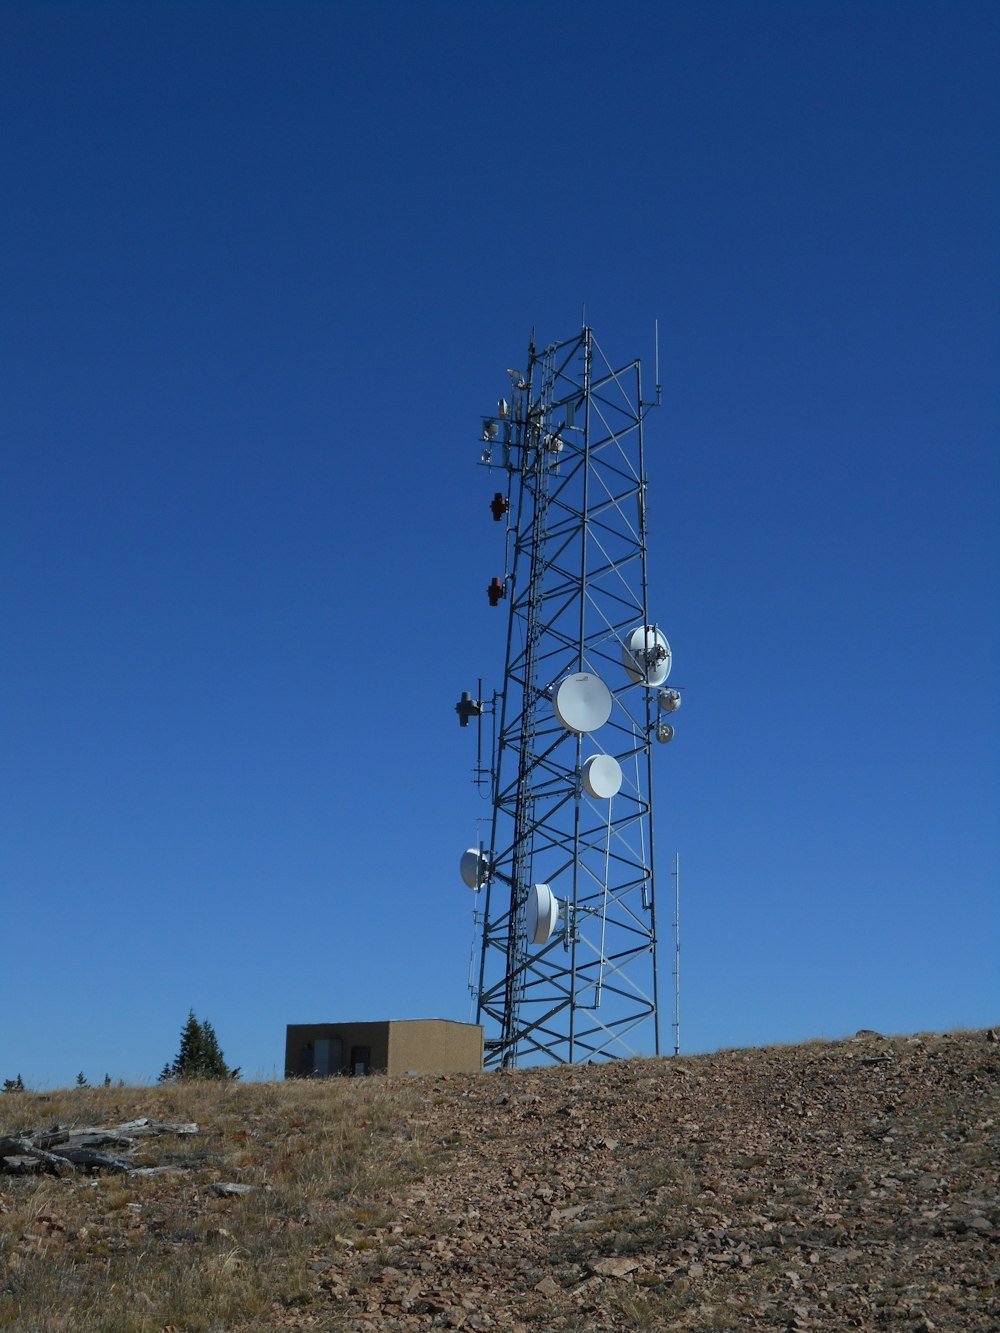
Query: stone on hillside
x=613 y=1266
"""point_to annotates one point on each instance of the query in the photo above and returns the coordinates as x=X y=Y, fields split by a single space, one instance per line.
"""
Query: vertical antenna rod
x=677 y=953
x=656 y=355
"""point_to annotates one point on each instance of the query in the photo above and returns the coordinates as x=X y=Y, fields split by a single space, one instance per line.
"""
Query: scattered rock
x=829 y=1187
x=613 y=1267
x=548 y=1286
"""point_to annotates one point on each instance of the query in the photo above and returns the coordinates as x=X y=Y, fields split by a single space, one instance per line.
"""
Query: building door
x=361 y=1058
x=328 y=1057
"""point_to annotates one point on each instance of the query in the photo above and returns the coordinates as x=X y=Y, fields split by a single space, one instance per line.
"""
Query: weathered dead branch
x=62 y=1146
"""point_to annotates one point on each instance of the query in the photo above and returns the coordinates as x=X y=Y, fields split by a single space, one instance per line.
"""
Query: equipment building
x=395 y=1047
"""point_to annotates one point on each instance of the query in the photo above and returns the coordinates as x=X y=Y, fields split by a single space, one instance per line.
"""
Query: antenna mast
x=567 y=909
x=677 y=953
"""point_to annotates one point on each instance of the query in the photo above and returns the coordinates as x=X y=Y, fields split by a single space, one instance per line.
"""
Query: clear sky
x=262 y=268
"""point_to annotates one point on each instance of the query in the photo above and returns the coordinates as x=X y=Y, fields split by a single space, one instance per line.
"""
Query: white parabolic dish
x=473 y=868
x=582 y=702
x=541 y=914
x=646 y=655
x=602 y=776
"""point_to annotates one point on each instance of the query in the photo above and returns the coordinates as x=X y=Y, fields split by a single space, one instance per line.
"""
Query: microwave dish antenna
x=565 y=914
x=647 y=656
x=541 y=914
x=602 y=777
x=582 y=703
x=474 y=868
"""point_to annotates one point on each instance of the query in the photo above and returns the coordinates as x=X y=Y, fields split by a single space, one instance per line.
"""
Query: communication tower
x=566 y=894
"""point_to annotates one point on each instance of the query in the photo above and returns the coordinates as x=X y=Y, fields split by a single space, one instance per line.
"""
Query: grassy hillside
x=829 y=1186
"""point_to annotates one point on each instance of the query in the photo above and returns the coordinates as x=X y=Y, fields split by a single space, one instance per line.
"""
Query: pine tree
x=211 y=1051
x=190 y=1061
x=200 y=1055
x=81 y=1080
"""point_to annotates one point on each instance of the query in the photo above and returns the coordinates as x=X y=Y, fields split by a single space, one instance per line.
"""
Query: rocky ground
x=836 y=1185
x=846 y=1185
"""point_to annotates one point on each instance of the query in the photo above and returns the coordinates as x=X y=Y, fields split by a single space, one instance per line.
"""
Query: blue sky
x=263 y=267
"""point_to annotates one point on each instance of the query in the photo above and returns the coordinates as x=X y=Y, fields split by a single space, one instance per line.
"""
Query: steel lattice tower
x=572 y=821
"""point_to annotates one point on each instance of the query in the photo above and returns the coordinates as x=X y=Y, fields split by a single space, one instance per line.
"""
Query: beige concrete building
x=401 y=1046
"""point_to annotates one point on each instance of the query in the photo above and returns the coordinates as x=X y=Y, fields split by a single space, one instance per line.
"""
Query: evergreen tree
x=81 y=1080
x=200 y=1055
x=211 y=1051
x=190 y=1061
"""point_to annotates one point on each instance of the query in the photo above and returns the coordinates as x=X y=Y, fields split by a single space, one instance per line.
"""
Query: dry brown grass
x=827 y=1186
x=131 y=1254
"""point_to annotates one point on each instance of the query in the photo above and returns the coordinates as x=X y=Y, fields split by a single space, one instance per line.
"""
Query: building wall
x=301 y=1040
x=435 y=1046
x=421 y=1046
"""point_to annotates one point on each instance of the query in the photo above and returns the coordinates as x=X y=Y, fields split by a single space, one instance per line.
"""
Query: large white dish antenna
x=602 y=776
x=646 y=656
x=473 y=868
x=582 y=702
x=541 y=914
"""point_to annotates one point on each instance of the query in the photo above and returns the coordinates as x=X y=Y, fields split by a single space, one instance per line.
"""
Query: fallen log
x=21 y=1148
x=63 y=1146
x=144 y=1127
x=87 y=1157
